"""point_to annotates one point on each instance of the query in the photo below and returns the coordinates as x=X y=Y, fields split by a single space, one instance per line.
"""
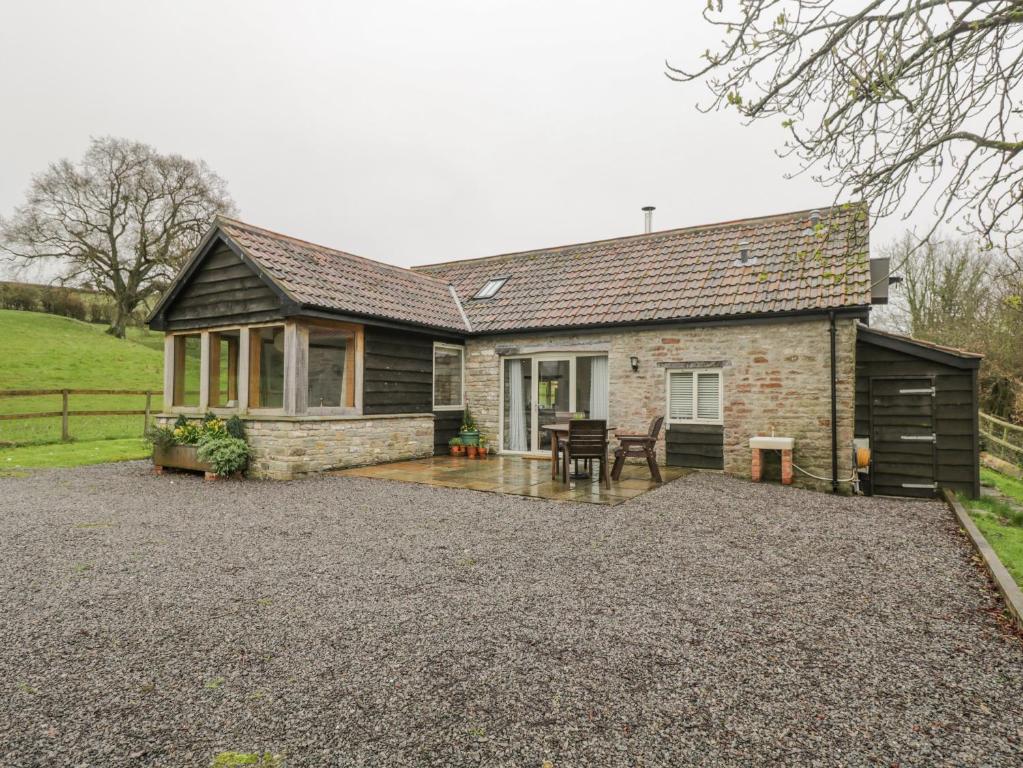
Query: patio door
x=543 y=389
x=553 y=397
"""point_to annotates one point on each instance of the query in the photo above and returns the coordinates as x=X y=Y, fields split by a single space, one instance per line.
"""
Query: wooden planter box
x=180 y=457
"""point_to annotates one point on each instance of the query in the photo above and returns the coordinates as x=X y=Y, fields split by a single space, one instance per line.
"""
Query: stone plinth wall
x=284 y=448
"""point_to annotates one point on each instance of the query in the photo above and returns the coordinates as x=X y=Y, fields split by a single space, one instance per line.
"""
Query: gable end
x=220 y=289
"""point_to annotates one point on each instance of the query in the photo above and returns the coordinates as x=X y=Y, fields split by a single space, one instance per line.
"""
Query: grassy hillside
x=41 y=351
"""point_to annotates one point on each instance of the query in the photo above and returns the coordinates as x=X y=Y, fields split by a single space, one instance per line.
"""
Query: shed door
x=902 y=440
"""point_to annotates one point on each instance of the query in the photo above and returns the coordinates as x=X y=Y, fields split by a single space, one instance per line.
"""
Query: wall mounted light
x=634 y=362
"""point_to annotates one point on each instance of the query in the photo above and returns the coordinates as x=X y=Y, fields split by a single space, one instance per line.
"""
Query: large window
x=549 y=388
x=187 y=360
x=331 y=366
x=224 y=369
x=448 y=376
x=266 y=367
x=694 y=396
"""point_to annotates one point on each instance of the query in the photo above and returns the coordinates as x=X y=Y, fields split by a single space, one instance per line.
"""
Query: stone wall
x=776 y=376
x=284 y=448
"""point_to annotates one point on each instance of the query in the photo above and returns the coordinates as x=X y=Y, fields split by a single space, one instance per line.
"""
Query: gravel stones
x=343 y=621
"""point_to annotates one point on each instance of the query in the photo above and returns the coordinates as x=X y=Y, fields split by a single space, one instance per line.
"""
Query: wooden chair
x=639 y=446
x=587 y=439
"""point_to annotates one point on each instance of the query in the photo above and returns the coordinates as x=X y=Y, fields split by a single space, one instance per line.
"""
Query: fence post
x=63 y=418
x=149 y=403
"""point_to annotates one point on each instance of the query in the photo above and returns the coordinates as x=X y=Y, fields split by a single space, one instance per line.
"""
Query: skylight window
x=491 y=288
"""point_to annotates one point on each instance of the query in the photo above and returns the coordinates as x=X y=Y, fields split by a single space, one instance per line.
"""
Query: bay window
x=223 y=368
x=266 y=367
x=331 y=368
x=187 y=362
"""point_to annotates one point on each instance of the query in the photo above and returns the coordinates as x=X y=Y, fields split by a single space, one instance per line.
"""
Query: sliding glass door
x=549 y=388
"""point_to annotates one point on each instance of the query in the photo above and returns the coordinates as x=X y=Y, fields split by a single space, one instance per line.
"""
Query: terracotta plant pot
x=457 y=450
x=471 y=451
x=481 y=452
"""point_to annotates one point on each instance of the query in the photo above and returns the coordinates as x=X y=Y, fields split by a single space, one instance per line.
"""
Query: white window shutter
x=708 y=396
x=680 y=405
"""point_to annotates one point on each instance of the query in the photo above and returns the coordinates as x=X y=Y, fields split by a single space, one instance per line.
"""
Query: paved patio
x=517 y=476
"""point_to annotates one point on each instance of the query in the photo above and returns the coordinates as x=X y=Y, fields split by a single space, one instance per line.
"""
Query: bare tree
x=957 y=294
x=121 y=221
x=884 y=99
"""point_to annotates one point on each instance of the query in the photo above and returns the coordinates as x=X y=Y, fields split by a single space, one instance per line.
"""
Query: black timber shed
x=917 y=404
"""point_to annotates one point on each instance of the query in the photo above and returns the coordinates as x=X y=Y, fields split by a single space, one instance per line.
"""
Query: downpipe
x=834 y=403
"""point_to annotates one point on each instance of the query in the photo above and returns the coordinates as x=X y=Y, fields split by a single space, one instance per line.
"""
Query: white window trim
x=536 y=358
x=696 y=373
x=433 y=377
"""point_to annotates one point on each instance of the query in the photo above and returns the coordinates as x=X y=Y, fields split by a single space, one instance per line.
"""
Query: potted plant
x=481 y=451
x=471 y=451
x=456 y=447
x=469 y=432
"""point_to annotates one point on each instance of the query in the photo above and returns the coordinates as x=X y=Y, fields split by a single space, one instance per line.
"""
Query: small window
x=187 y=359
x=224 y=369
x=448 y=377
x=266 y=367
x=694 y=396
x=491 y=288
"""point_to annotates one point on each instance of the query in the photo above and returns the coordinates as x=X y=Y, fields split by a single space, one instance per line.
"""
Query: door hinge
x=929 y=486
x=931 y=438
x=926 y=391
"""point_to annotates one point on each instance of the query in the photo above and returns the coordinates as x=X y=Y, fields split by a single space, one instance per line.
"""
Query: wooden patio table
x=559 y=432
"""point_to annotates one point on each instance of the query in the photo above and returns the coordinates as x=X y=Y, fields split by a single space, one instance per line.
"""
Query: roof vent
x=745 y=259
x=648 y=218
x=815 y=221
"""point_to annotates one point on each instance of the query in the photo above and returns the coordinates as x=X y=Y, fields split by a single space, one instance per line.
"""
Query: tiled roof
x=321 y=277
x=675 y=274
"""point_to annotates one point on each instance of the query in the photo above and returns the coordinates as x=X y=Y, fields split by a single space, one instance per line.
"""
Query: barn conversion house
x=751 y=327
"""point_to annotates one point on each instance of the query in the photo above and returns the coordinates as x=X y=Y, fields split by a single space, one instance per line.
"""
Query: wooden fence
x=1001 y=438
x=65 y=412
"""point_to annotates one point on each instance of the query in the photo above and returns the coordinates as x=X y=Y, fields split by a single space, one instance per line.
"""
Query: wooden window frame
x=354 y=354
x=433 y=377
x=232 y=375
x=696 y=373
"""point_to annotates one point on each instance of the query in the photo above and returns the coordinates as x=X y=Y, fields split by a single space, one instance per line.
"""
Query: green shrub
x=23 y=297
x=236 y=428
x=225 y=455
x=161 y=437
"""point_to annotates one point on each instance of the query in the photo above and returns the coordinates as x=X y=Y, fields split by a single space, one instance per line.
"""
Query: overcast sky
x=410 y=132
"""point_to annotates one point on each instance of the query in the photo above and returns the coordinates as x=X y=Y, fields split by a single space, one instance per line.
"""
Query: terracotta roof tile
x=334 y=280
x=676 y=274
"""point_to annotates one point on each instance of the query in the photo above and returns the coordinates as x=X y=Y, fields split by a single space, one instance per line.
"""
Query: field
x=41 y=351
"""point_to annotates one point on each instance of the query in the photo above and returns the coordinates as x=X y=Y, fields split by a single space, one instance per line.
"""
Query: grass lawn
x=41 y=351
x=1001 y=522
x=72 y=454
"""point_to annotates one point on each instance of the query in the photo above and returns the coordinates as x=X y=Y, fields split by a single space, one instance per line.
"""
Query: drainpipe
x=834 y=406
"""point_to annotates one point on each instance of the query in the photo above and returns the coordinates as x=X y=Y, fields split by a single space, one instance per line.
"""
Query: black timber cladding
x=886 y=365
x=446 y=424
x=398 y=375
x=222 y=290
x=695 y=445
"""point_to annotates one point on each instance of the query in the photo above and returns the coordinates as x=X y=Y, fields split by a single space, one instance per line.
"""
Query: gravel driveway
x=342 y=621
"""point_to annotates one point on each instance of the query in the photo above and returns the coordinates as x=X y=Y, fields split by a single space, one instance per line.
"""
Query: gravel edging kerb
x=1003 y=579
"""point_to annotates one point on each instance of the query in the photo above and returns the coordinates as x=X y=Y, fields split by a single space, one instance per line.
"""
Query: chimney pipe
x=648 y=218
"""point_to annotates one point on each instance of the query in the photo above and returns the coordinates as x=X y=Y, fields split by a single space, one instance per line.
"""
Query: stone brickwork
x=776 y=376
x=285 y=448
